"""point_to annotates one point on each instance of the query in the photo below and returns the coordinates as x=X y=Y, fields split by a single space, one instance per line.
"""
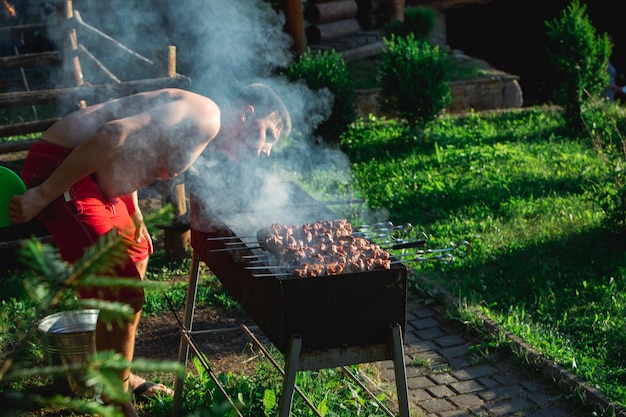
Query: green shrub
x=420 y=21
x=414 y=79
x=606 y=124
x=579 y=57
x=328 y=70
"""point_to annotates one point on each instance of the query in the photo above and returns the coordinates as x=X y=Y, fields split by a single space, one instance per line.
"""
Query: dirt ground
x=226 y=345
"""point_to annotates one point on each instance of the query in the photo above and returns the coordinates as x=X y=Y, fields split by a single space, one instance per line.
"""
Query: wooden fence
x=86 y=79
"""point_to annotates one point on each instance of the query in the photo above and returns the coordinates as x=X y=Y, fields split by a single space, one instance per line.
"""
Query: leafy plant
x=328 y=70
x=579 y=57
x=51 y=290
x=258 y=394
x=605 y=125
x=414 y=78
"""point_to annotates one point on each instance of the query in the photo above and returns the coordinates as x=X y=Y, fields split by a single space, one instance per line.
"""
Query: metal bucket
x=68 y=338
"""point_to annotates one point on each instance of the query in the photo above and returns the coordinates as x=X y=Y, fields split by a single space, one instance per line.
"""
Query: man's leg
x=121 y=339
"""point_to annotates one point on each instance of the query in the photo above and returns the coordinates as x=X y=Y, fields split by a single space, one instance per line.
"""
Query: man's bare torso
x=147 y=136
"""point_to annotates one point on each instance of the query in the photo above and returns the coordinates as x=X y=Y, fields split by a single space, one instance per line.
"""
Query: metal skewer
x=290 y=267
x=235 y=249
x=280 y=274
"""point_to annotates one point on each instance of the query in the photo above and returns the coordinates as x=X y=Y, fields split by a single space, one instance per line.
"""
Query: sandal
x=142 y=391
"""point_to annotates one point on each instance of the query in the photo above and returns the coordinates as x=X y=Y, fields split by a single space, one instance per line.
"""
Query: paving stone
x=430 y=334
x=450 y=340
x=415 y=371
x=432 y=357
x=466 y=401
x=507 y=379
x=388 y=373
x=440 y=391
x=509 y=407
x=455 y=351
x=424 y=346
x=488 y=382
x=436 y=406
x=456 y=413
x=443 y=378
x=474 y=372
x=460 y=362
x=478 y=412
x=499 y=393
x=418 y=395
x=421 y=324
x=424 y=312
x=410 y=339
x=419 y=382
x=464 y=387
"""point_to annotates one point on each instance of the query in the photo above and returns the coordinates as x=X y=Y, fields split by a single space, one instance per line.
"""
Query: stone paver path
x=447 y=376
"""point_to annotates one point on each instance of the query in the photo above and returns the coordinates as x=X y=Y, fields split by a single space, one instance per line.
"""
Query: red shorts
x=79 y=217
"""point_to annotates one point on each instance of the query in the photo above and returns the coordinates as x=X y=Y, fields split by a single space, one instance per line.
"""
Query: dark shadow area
x=511 y=36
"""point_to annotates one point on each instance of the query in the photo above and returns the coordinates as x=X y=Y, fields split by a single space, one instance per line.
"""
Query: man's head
x=264 y=118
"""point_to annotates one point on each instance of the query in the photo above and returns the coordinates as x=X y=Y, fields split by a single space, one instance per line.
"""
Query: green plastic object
x=10 y=185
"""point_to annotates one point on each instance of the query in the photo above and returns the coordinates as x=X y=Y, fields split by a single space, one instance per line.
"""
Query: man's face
x=259 y=135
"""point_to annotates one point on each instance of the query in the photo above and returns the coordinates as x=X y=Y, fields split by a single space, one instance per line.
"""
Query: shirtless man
x=84 y=173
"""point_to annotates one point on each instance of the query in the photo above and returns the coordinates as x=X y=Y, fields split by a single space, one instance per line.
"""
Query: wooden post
x=177 y=236
x=171 y=61
x=181 y=200
x=295 y=25
x=70 y=57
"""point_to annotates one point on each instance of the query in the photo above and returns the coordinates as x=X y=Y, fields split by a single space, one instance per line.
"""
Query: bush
x=328 y=70
x=414 y=79
x=580 y=59
x=606 y=125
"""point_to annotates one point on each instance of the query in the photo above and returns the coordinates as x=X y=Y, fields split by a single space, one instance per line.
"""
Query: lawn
x=528 y=196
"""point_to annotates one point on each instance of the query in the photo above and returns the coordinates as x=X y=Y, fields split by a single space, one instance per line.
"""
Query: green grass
x=518 y=188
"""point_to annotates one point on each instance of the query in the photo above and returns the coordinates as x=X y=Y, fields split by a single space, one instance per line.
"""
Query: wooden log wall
x=330 y=20
x=334 y=19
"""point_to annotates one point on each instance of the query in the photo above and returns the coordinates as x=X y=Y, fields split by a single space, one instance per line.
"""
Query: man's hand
x=25 y=207
x=141 y=231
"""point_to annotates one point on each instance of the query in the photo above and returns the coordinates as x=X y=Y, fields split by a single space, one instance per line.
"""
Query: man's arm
x=81 y=162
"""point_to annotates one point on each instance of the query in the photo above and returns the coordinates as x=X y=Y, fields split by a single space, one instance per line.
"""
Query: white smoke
x=222 y=44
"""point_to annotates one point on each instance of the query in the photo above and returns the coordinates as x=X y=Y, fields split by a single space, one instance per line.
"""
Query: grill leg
x=183 y=349
x=289 y=381
x=400 y=370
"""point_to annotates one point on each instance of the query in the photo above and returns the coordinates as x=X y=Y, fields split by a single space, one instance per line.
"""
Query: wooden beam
x=96 y=93
x=15 y=145
x=97 y=63
x=23 y=28
x=104 y=36
x=30 y=60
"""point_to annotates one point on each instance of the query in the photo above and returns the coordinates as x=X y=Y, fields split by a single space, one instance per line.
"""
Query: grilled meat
x=322 y=248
